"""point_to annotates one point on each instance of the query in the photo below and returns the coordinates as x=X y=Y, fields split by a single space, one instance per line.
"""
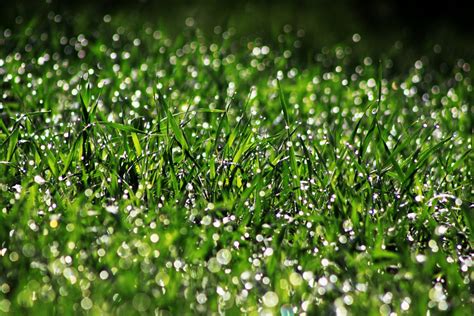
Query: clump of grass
x=145 y=174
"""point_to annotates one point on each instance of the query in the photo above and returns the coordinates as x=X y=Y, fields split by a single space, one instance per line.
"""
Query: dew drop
x=39 y=180
x=86 y=303
x=270 y=299
x=201 y=298
x=287 y=310
x=224 y=256
x=154 y=238
x=213 y=265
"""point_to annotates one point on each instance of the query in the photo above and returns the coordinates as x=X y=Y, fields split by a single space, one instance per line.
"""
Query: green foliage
x=200 y=174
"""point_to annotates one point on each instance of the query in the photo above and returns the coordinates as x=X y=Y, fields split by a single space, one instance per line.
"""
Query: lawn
x=147 y=171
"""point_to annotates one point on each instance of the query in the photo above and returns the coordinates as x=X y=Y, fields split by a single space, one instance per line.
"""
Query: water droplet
x=206 y=220
x=104 y=275
x=441 y=230
x=286 y=310
x=224 y=256
x=270 y=299
x=53 y=223
x=201 y=298
x=39 y=180
x=420 y=258
x=268 y=252
x=154 y=238
x=86 y=303
x=405 y=305
x=213 y=265
x=112 y=209
x=296 y=279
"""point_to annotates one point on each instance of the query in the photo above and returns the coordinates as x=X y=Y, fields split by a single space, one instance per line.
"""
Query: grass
x=210 y=173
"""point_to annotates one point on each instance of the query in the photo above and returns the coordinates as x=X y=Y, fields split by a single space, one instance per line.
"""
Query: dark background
x=419 y=24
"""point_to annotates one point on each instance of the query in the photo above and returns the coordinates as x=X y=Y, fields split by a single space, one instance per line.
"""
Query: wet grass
x=142 y=173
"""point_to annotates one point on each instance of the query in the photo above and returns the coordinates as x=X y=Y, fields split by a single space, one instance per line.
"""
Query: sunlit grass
x=141 y=174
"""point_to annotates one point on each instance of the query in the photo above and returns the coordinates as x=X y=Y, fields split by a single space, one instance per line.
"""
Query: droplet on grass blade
x=86 y=303
x=154 y=238
x=104 y=275
x=268 y=252
x=296 y=279
x=39 y=180
x=112 y=209
x=270 y=299
x=54 y=223
x=223 y=256
x=201 y=298
x=286 y=310
x=213 y=265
